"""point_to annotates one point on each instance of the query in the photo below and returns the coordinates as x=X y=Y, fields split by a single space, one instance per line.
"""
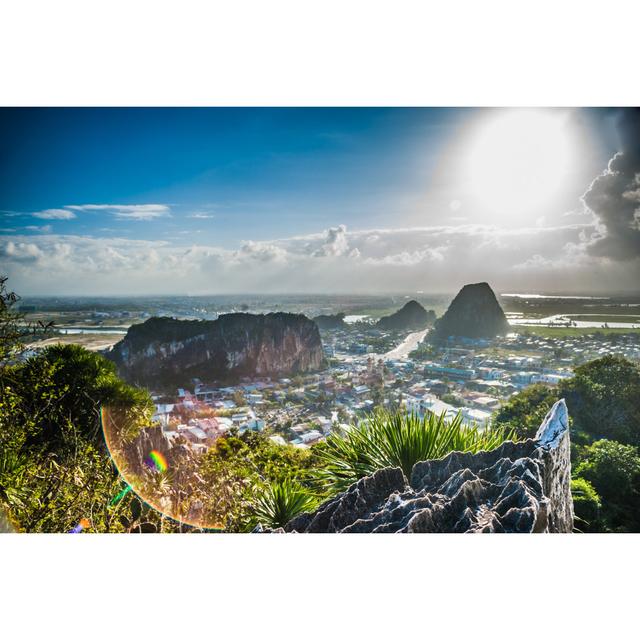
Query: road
x=408 y=345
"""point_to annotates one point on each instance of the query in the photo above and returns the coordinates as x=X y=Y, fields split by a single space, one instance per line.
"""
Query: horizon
x=330 y=201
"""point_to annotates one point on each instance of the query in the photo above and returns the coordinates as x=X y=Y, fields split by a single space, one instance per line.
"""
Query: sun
x=518 y=161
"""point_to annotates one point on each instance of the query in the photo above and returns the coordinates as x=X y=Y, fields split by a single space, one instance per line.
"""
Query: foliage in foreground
x=55 y=470
x=603 y=399
x=278 y=502
x=240 y=473
x=399 y=440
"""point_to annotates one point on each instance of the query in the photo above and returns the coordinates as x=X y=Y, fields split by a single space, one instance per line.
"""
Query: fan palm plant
x=398 y=440
x=278 y=502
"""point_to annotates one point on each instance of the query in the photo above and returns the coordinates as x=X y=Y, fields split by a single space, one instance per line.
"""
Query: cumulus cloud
x=614 y=197
x=438 y=259
x=127 y=211
x=335 y=243
x=54 y=214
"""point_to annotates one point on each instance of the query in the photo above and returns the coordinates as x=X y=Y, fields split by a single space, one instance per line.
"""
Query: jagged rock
x=517 y=488
x=473 y=313
x=331 y=322
x=165 y=351
x=412 y=316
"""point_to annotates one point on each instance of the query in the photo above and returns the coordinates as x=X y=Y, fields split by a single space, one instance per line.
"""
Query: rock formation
x=331 y=322
x=474 y=313
x=166 y=351
x=517 y=488
x=412 y=316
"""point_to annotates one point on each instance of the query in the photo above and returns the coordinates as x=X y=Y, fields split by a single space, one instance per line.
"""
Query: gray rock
x=517 y=488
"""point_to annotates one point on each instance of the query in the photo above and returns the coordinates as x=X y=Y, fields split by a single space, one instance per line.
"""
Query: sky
x=148 y=201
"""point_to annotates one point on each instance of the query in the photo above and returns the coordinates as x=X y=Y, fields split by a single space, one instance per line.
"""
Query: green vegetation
x=278 y=502
x=586 y=505
x=525 y=412
x=240 y=474
x=613 y=469
x=54 y=466
x=398 y=440
x=603 y=399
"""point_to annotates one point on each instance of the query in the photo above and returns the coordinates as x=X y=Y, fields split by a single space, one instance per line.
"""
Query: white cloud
x=127 y=211
x=54 y=214
x=435 y=259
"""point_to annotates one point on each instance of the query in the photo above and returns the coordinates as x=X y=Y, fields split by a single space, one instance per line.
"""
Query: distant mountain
x=412 y=316
x=164 y=351
x=331 y=322
x=474 y=313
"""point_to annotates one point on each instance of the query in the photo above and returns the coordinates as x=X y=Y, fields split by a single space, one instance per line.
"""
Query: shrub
x=398 y=440
x=586 y=505
x=278 y=502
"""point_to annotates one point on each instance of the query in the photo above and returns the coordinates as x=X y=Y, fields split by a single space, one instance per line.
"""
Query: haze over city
x=206 y=201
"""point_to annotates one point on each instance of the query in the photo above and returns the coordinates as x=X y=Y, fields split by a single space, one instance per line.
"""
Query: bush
x=278 y=502
x=603 y=399
x=525 y=411
x=398 y=440
x=586 y=505
x=54 y=466
x=613 y=469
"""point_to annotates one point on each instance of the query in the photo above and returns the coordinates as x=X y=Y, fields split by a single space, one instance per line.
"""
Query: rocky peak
x=412 y=316
x=522 y=487
x=473 y=313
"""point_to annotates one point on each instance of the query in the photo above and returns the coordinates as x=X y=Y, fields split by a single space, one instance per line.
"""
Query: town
x=473 y=377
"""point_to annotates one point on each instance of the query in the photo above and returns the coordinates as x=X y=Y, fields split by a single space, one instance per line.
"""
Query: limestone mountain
x=331 y=321
x=473 y=313
x=412 y=316
x=166 y=351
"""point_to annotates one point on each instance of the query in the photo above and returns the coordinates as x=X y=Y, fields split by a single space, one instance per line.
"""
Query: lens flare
x=164 y=473
x=83 y=524
x=157 y=460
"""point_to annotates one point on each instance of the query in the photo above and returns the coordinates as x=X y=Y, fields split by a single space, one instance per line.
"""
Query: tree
x=54 y=466
x=613 y=469
x=13 y=327
x=586 y=506
x=525 y=412
x=603 y=399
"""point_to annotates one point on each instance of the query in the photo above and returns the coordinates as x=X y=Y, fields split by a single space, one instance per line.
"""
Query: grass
x=398 y=440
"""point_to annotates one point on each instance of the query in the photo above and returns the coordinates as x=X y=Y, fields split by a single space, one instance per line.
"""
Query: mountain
x=412 y=316
x=520 y=487
x=166 y=351
x=474 y=313
x=331 y=322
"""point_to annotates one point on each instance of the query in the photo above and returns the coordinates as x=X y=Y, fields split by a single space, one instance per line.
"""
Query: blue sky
x=154 y=200
x=271 y=170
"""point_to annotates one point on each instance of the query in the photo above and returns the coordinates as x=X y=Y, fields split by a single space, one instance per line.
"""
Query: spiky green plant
x=386 y=439
x=276 y=503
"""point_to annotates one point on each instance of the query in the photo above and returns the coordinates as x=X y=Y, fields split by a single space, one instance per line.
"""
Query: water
x=81 y=330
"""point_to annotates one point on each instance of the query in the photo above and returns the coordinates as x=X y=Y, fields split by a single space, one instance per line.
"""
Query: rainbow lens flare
x=83 y=524
x=163 y=473
x=158 y=461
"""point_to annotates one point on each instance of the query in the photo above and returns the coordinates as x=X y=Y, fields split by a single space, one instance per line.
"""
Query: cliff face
x=412 y=316
x=474 y=313
x=166 y=351
x=517 y=488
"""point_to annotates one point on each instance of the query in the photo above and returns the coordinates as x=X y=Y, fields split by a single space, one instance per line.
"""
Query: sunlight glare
x=519 y=160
